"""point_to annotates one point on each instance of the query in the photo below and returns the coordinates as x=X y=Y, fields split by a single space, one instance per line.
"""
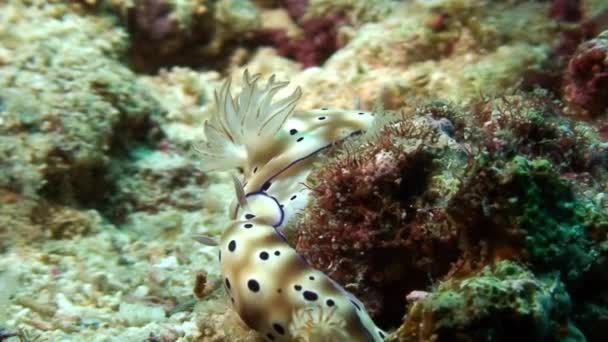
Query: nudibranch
x=274 y=290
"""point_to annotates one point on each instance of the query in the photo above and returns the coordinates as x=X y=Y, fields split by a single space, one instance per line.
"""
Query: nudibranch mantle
x=274 y=290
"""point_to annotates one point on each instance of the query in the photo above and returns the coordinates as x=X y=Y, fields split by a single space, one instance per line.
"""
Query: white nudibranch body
x=272 y=287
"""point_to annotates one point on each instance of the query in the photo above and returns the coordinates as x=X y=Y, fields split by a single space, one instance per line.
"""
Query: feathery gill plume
x=244 y=123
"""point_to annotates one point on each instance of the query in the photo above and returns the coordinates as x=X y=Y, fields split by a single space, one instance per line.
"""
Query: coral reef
x=476 y=209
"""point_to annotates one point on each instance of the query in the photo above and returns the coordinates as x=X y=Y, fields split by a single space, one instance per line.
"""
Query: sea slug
x=273 y=288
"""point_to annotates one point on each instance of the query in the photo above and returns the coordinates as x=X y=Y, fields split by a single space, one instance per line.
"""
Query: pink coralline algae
x=318 y=41
x=586 y=79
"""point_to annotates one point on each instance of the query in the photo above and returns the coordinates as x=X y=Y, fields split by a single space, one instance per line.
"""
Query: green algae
x=556 y=222
x=468 y=309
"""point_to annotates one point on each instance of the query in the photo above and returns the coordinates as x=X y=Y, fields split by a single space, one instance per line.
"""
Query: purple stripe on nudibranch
x=265 y=185
x=310 y=155
x=281 y=216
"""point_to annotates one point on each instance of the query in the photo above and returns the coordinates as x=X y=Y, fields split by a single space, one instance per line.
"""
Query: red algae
x=374 y=224
x=318 y=42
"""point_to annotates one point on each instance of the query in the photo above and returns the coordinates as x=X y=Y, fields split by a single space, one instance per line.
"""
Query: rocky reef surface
x=475 y=210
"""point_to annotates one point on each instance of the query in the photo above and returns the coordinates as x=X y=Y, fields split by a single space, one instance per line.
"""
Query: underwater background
x=476 y=209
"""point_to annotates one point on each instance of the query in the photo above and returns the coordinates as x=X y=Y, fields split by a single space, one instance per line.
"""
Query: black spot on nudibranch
x=356 y=305
x=293 y=131
x=247 y=225
x=264 y=256
x=330 y=302
x=361 y=113
x=300 y=139
x=255 y=169
x=311 y=278
x=227 y=283
x=381 y=334
x=324 y=108
x=219 y=256
x=279 y=329
x=266 y=186
x=249 y=216
x=297 y=287
x=253 y=285
x=293 y=197
x=270 y=337
x=309 y=295
x=232 y=245
x=321 y=118
x=277 y=253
